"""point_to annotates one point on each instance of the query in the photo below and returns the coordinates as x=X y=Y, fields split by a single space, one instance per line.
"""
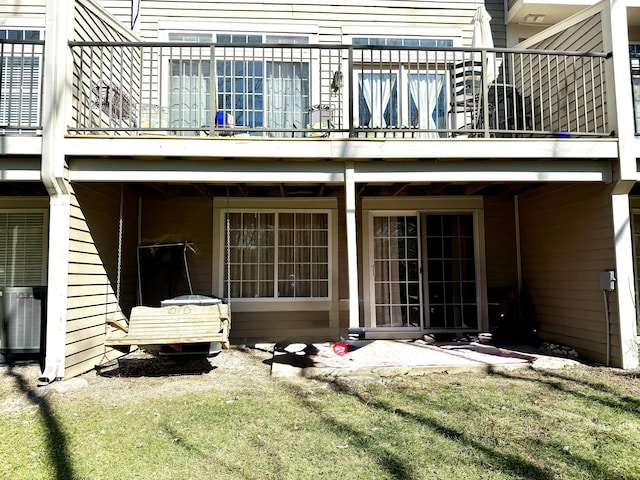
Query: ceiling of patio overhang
x=25 y=189
x=293 y=190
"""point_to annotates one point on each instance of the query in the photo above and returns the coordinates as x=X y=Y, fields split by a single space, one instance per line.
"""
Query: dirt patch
x=138 y=376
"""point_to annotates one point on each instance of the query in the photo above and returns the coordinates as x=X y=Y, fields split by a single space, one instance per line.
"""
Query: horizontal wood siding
x=91 y=296
x=498 y=26
x=569 y=91
x=278 y=326
x=566 y=239
x=107 y=92
x=24 y=10
x=329 y=15
x=120 y=9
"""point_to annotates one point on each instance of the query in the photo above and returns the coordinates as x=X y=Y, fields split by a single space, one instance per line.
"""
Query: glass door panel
x=396 y=259
x=450 y=271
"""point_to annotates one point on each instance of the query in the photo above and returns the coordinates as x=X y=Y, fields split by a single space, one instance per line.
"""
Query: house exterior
x=326 y=167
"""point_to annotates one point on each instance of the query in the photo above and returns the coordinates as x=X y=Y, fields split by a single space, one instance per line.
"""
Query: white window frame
x=275 y=298
x=310 y=31
x=400 y=60
x=403 y=91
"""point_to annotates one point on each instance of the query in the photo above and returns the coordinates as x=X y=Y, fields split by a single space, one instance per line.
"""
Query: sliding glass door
x=425 y=272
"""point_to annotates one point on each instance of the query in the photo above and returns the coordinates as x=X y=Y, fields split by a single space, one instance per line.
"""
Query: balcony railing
x=313 y=91
x=21 y=86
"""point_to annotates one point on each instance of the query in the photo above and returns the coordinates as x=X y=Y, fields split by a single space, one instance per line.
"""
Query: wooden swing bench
x=172 y=326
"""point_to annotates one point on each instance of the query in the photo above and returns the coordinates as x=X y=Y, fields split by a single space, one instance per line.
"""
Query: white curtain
x=287 y=95
x=376 y=92
x=190 y=97
x=425 y=90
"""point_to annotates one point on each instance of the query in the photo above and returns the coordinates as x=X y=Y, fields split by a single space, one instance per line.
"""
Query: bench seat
x=173 y=325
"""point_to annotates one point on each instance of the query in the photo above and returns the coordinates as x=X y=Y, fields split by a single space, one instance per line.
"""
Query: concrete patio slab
x=398 y=357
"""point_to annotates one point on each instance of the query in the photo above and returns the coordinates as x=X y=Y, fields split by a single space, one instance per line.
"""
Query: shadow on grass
x=56 y=439
x=397 y=467
x=510 y=456
x=600 y=393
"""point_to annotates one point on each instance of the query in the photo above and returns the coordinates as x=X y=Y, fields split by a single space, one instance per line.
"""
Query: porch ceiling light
x=534 y=18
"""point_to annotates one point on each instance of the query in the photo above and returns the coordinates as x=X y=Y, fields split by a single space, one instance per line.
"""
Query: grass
x=576 y=423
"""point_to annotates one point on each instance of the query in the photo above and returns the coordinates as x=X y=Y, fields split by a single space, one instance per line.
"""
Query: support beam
x=352 y=245
x=625 y=284
x=618 y=79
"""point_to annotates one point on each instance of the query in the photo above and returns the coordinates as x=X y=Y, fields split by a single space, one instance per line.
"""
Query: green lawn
x=574 y=423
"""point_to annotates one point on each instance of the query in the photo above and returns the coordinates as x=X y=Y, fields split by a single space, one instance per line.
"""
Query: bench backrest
x=185 y=319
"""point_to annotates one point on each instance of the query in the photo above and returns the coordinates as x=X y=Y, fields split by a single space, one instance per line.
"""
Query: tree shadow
x=56 y=439
x=395 y=467
x=509 y=464
x=509 y=456
x=600 y=393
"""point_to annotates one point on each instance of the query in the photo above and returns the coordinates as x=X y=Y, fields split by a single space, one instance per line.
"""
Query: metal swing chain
x=228 y=227
x=120 y=228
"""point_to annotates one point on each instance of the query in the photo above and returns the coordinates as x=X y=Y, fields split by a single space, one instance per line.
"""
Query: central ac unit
x=20 y=320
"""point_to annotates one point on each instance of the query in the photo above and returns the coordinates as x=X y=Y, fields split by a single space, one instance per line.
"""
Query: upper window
x=20 y=81
x=404 y=42
x=398 y=90
x=244 y=39
x=6 y=34
x=279 y=254
x=398 y=97
x=190 y=37
x=253 y=89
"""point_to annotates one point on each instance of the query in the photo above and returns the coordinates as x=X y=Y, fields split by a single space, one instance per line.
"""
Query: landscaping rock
x=68 y=386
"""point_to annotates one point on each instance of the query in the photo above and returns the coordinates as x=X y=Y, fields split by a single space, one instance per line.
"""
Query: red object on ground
x=340 y=348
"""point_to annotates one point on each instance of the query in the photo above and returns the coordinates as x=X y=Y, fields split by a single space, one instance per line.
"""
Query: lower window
x=279 y=254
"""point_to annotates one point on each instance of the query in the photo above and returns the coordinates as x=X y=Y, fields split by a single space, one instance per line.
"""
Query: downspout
x=57 y=73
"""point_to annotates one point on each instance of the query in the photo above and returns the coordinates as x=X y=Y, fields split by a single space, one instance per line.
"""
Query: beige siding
x=566 y=234
x=276 y=326
x=105 y=93
x=328 y=15
x=120 y=9
x=182 y=219
x=498 y=27
x=23 y=10
x=571 y=95
x=500 y=243
x=91 y=296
